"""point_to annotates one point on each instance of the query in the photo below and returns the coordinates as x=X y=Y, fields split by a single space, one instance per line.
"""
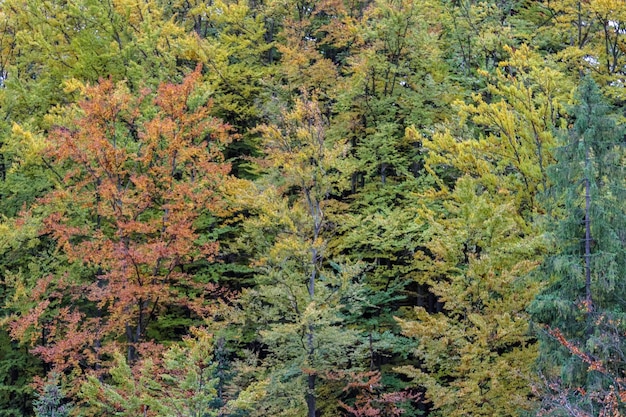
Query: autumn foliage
x=424 y=197
x=369 y=400
x=140 y=178
x=607 y=400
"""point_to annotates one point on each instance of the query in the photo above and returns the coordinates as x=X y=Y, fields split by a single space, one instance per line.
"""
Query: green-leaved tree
x=582 y=311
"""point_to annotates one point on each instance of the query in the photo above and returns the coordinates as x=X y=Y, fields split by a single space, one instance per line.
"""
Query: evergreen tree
x=51 y=402
x=583 y=308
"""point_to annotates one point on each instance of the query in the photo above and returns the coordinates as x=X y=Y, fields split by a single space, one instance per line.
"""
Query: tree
x=479 y=33
x=393 y=76
x=51 y=402
x=24 y=256
x=301 y=28
x=480 y=244
x=368 y=400
x=181 y=382
x=50 y=50
x=514 y=121
x=17 y=367
x=235 y=46
x=139 y=180
x=55 y=44
x=586 y=36
x=476 y=352
x=582 y=307
x=295 y=302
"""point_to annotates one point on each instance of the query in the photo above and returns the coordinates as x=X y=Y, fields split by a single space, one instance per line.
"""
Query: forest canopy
x=312 y=208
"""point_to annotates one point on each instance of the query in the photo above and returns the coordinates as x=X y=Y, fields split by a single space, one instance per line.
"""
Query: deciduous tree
x=181 y=382
x=480 y=243
x=296 y=300
x=139 y=178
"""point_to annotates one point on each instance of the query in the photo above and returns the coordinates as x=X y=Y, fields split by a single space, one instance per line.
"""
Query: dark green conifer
x=583 y=307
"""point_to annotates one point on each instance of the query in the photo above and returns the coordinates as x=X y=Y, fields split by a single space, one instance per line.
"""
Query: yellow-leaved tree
x=295 y=303
x=480 y=244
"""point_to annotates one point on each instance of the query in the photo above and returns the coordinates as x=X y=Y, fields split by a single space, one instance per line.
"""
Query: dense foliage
x=312 y=208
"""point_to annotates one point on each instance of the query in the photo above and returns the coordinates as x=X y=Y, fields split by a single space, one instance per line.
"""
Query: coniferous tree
x=582 y=309
x=51 y=402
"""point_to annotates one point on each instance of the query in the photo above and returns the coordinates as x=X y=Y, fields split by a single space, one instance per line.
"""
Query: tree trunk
x=588 y=298
x=310 y=396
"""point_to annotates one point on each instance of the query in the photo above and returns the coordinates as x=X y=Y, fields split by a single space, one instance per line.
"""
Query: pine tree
x=582 y=310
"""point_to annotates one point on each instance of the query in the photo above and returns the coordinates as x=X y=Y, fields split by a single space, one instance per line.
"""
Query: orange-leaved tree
x=132 y=213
